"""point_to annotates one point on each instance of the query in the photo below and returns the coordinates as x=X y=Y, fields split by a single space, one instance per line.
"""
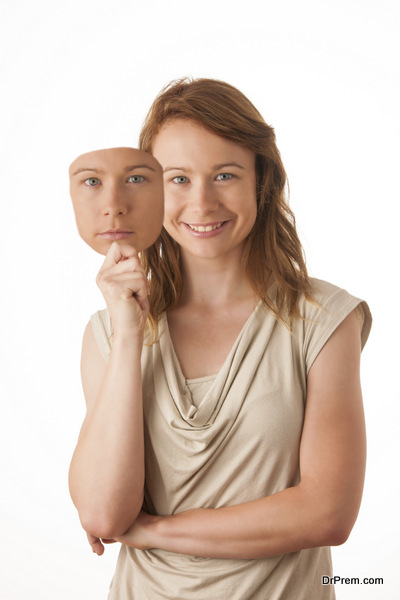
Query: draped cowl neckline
x=205 y=415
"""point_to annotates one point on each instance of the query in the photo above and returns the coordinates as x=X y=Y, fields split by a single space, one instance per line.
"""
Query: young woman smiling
x=250 y=455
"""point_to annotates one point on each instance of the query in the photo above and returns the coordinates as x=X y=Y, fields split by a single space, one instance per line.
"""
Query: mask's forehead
x=114 y=159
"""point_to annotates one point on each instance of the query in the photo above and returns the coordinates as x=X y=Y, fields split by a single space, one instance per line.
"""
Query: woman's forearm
x=107 y=469
x=285 y=522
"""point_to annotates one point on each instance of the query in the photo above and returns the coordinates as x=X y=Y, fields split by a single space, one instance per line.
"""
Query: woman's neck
x=213 y=282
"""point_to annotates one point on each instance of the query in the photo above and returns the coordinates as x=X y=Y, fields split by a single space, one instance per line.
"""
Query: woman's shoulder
x=325 y=289
x=102 y=331
x=328 y=297
x=326 y=306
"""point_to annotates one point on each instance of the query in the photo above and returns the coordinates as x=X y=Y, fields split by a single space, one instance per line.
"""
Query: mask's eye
x=180 y=179
x=92 y=181
x=136 y=179
x=224 y=176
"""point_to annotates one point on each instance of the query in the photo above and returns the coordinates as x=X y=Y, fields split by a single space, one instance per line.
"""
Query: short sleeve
x=102 y=331
x=322 y=317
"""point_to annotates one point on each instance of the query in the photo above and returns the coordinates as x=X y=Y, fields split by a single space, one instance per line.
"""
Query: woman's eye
x=92 y=181
x=224 y=176
x=136 y=179
x=180 y=179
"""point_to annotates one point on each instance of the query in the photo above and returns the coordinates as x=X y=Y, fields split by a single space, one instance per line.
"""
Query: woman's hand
x=97 y=544
x=140 y=535
x=123 y=283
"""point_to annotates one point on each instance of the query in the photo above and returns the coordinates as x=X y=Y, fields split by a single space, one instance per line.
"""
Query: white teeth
x=202 y=229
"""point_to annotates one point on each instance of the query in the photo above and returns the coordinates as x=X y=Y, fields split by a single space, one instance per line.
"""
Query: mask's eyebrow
x=83 y=169
x=127 y=169
x=143 y=166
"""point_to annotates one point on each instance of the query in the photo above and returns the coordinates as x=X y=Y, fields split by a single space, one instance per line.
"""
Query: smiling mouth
x=206 y=228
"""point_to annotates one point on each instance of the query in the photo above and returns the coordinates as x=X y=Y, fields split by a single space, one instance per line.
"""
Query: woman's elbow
x=331 y=515
x=108 y=524
x=333 y=529
x=100 y=527
x=337 y=535
x=105 y=518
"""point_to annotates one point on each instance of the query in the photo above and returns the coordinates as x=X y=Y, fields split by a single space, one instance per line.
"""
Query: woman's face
x=117 y=194
x=209 y=188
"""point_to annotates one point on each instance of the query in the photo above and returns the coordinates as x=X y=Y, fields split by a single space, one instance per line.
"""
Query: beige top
x=240 y=443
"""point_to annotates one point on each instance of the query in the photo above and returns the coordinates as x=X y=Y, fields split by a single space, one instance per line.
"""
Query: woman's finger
x=95 y=542
x=124 y=285
x=117 y=253
x=129 y=264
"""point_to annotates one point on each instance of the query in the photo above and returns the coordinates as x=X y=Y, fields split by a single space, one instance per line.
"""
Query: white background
x=80 y=75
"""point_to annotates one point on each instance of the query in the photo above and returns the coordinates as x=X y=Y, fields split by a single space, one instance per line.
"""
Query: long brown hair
x=273 y=251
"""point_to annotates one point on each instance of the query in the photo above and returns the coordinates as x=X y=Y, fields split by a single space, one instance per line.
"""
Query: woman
x=238 y=426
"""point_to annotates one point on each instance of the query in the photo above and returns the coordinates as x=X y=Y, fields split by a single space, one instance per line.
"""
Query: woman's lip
x=217 y=227
x=115 y=234
x=211 y=224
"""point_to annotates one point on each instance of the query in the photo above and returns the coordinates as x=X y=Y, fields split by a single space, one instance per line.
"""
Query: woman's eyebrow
x=215 y=167
x=175 y=169
x=231 y=164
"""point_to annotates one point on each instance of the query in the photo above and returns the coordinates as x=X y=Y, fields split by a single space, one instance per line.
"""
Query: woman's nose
x=204 y=198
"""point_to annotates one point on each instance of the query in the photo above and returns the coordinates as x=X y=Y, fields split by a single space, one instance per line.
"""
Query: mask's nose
x=114 y=202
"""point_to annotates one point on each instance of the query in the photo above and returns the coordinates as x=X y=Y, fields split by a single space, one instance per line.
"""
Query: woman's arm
x=321 y=509
x=107 y=469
